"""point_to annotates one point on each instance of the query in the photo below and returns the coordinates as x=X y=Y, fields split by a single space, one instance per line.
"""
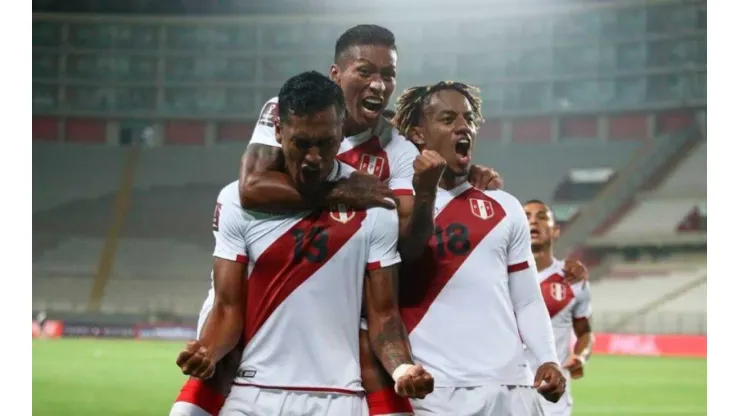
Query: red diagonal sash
x=277 y=272
x=458 y=222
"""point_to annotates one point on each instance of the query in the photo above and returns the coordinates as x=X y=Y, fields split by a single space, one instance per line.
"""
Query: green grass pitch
x=112 y=378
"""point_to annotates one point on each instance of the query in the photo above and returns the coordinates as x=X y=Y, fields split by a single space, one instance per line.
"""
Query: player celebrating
x=299 y=304
x=569 y=305
x=472 y=298
x=365 y=68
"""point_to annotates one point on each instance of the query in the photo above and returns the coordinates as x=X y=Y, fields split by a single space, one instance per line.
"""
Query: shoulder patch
x=269 y=115
x=216 y=216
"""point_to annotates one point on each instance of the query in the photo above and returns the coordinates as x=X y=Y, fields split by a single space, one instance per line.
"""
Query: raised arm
x=223 y=328
x=416 y=213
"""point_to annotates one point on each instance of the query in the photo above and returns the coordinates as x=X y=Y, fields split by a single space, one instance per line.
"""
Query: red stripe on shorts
x=197 y=393
x=386 y=401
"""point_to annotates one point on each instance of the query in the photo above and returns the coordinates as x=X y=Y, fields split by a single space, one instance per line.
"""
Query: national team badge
x=481 y=208
x=341 y=213
x=372 y=164
x=216 y=216
x=557 y=291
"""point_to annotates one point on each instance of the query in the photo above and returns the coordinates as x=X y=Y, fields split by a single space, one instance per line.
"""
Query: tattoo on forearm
x=391 y=344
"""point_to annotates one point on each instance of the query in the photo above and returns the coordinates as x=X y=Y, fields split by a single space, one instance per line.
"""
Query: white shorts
x=491 y=400
x=205 y=310
x=563 y=407
x=255 y=401
x=187 y=409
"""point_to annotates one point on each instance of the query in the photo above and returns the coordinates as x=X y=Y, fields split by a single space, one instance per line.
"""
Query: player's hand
x=574 y=271
x=428 y=168
x=225 y=371
x=550 y=382
x=575 y=366
x=485 y=178
x=362 y=190
x=415 y=383
x=195 y=361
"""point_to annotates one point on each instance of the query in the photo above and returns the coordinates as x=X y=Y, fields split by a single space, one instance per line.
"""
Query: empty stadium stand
x=653 y=217
x=658 y=213
x=665 y=296
x=535 y=170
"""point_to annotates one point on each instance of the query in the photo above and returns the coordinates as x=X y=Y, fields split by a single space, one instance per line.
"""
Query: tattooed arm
x=387 y=333
x=388 y=336
x=262 y=185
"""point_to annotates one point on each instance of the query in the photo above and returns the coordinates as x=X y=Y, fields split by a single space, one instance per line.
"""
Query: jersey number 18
x=453 y=239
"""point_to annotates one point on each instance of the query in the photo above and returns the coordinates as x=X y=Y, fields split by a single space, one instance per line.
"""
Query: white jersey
x=565 y=303
x=381 y=151
x=456 y=301
x=304 y=288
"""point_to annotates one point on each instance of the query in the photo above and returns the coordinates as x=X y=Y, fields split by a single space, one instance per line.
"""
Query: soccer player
x=365 y=68
x=292 y=284
x=471 y=300
x=569 y=305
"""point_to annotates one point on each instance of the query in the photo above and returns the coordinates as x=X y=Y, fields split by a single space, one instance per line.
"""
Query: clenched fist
x=413 y=381
x=195 y=361
x=428 y=168
x=574 y=271
x=575 y=366
x=550 y=382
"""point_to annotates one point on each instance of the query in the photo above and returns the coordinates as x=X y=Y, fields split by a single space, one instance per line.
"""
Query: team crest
x=557 y=291
x=372 y=164
x=481 y=208
x=268 y=115
x=341 y=214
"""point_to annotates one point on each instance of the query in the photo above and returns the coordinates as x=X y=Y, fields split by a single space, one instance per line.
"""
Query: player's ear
x=417 y=136
x=278 y=131
x=556 y=232
x=334 y=71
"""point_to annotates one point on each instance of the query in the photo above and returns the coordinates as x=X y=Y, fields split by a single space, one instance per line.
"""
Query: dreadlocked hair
x=410 y=105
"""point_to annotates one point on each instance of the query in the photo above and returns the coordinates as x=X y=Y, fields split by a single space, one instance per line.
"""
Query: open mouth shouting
x=372 y=105
x=462 y=148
